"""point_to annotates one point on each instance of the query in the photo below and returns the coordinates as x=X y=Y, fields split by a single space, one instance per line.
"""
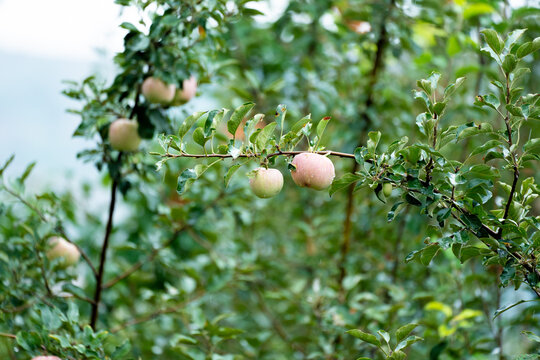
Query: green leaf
x=493 y=40
x=451 y=89
x=434 y=80
x=188 y=123
x=373 y=141
x=512 y=38
x=532 y=336
x=300 y=124
x=532 y=146
x=486 y=146
x=6 y=164
x=183 y=339
x=514 y=110
x=385 y=336
x=265 y=135
x=186 y=178
x=407 y=342
x=492 y=101
x=528 y=48
x=209 y=123
x=343 y=182
x=231 y=172
x=281 y=111
x=366 y=337
x=237 y=117
x=470 y=251
x=321 y=126
x=428 y=253
x=198 y=136
x=26 y=172
x=250 y=126
x=412 y=200
x=404 y=331
x=509 y=63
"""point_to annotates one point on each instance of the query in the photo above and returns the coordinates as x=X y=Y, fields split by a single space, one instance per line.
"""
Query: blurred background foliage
x=219 y=274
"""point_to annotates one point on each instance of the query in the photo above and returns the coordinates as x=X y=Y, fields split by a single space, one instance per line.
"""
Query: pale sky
x=75 y=29
x=67 y=29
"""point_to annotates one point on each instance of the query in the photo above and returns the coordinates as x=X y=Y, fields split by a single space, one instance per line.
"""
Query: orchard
x=333 y=180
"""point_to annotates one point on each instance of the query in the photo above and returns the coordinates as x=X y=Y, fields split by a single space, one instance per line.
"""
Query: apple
x=313 y=171
x=124 y=135
x=387 y=189
x=61 y=248
x=266 y=183
x=186 y=93
x=157 y=91
x=46 y=358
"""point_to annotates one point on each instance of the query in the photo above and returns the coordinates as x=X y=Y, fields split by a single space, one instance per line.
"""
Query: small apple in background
x=186 y=93
x=313 y=171
x=266 y=183
x=387 y=189
x=46 y=358
x=157 y=91
x=61 y=248
x=124 y=135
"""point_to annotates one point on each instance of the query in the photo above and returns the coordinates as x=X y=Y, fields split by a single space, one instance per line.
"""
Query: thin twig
x=142 y=262
x=157 y=313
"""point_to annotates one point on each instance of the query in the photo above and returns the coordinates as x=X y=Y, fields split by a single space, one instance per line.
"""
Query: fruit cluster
x=310 y=170
x=124 y=134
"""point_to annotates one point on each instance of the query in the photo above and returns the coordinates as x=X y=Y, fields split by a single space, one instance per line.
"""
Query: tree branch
x=254 y=155
x=103 y=257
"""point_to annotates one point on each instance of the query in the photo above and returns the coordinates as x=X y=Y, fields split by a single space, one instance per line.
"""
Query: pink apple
x=313 y=171
x=61 y=248
x=186 y=93
x=124 y=135
x=157 y=91
x=46 y=358
x=266 y=182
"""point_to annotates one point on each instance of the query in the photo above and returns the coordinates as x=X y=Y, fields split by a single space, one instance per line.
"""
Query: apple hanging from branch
x=266 y=183
x=62 y=249
x=156 y=91
x=123 y=135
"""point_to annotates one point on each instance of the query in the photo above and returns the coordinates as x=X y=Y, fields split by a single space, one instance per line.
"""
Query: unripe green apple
x=61 y=248
x=387 y=189
x=266 y=183
x=124 y=135
x=186 y=93
x=313 y=171
x=46 y=358
x=157 y=91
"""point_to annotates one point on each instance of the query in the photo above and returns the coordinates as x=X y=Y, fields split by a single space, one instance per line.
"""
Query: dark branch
x=103 y=257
